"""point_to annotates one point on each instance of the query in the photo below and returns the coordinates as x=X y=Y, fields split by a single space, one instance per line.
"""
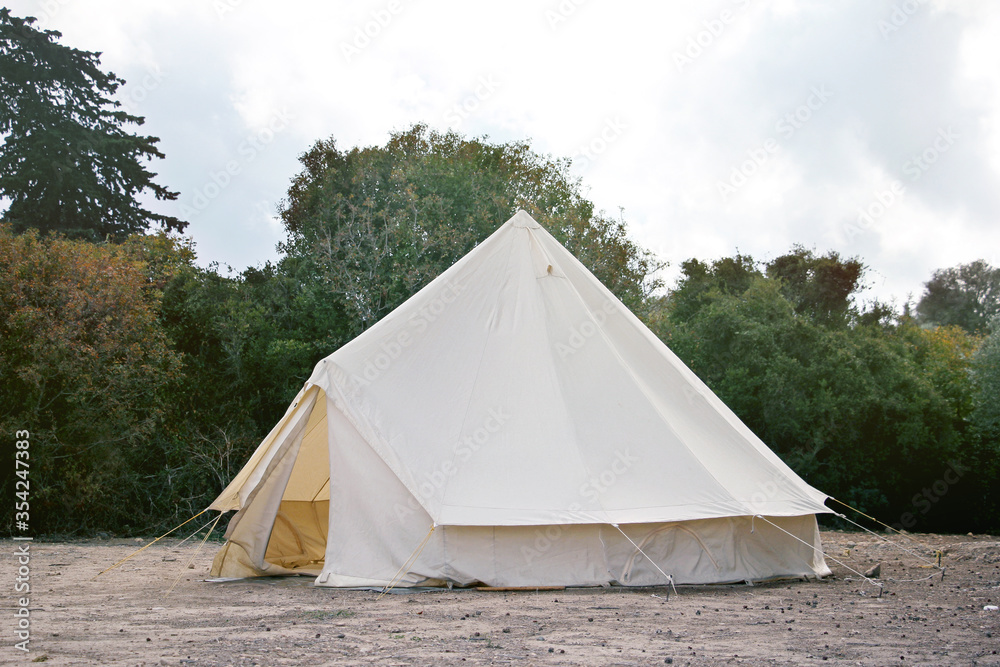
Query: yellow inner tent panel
x=298 y=538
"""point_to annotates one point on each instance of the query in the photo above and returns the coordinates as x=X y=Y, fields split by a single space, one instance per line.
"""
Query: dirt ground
x=125 y=617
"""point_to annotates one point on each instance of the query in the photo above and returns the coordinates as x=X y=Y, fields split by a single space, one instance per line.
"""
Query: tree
x=379 y=223
x=986 y=378
x=869 y=412
x=86 y=369
x=819 y=286
x=67 y=164
x=701 y=283
x=967 y=295
x=985 y=420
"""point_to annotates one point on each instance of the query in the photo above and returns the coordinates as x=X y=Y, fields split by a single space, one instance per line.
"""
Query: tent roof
x=515 y=389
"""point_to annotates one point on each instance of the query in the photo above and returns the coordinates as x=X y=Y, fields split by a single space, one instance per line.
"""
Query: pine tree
x=67 y=164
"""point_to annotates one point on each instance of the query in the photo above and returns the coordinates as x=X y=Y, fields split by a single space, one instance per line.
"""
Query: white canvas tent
x=513 y=424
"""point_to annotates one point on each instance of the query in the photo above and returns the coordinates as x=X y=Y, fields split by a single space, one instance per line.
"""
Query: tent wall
x=701 y=551
x=377 y=522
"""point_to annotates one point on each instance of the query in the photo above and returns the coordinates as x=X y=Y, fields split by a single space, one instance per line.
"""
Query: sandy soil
x=125 y=617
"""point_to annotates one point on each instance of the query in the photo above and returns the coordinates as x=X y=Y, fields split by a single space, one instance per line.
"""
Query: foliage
x=864 y=410
x=379 y=223
x=146 y=381
x=984 y=440
x=986 y=378
x=817 y=286
x=86 y=369
x=67 y=164
x=967 y=295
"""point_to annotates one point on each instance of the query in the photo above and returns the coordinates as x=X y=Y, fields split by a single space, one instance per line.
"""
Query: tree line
x=146 y=380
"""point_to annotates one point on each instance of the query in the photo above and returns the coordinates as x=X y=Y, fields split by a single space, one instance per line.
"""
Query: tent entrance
x=297 y=541
x=283 y=524
x=298 y=537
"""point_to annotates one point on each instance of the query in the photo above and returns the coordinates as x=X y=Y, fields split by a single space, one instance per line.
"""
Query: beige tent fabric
x=514 y=394
x=703 y=551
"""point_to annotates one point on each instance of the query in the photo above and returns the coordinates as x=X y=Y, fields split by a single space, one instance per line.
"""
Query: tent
x=514 y=424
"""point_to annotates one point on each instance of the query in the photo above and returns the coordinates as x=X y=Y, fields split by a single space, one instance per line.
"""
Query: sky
x=866 y=127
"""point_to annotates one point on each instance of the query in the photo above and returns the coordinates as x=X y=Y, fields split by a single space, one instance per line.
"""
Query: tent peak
x=523 y=219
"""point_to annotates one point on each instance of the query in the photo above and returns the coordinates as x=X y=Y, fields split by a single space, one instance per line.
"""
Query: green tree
x=866 y=410
x=67 y=164
x=87 y=370
x=145 y=380
x=967 y=295
x=981 y=485
x=986 y=379
x=819 y=286
x=379 y=223
x=700 y=283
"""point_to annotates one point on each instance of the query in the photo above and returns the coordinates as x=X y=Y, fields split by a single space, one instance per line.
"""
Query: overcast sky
x=870 y=127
